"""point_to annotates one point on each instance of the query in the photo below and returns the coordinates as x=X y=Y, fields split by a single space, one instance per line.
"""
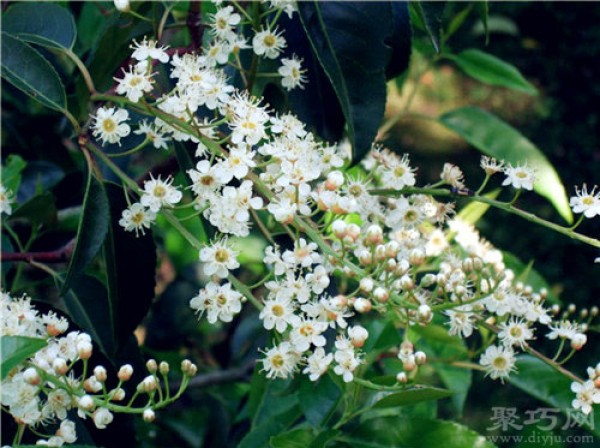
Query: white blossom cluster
x=40 y=391
x=405 y=255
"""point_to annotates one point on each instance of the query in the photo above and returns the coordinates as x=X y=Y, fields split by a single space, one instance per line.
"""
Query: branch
x=219 y=377
x=61 y=255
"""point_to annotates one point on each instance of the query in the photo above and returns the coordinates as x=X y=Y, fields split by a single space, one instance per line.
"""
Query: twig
x=194 y=24
x=61 y=255
x=219 y=377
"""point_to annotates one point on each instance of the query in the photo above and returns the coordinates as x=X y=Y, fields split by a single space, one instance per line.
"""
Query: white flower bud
x=59 y=365
x=428 y=280
x=401 y=377
x=86 y=403
x=409 y=365
x=339 y=302
x=362 y=305
x=102 y=417
x=578 y=341
x=339 y=228
x=380 y=253
x=92 y=384
x=374 y=235
x=100 y=373
x=125 y=372
x=122 y=5
x=594 y=311
x=364 y=257
x=31 y=376
x=424 y=313
x=381 y=294
x=163 y=368
x=149 y=415
x=366 y=284
x=416 y=257
x=571 y=309
x=353 y=232
x=403 y=267
x=152 y=366
x=84 y=350
x=67 y=431
x=117 y=394
x=358 y=335
x=406 y=283
x=185 y=365
x=392 y=248
x=390 y=265
x=420 y=358
x=148 y=384
x=335 y=180
x=192 y=370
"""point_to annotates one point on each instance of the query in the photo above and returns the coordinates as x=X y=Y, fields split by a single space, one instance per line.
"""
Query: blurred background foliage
x=556 y=45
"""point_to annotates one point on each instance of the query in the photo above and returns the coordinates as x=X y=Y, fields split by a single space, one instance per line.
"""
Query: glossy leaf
x=296 y=438
x=318 y=399
x=260 y=435
x=483 y=10
x=40 y=209
x=92 y=229
x=17 y=349
x=27 y=70
x=430 y=17
x=498 y=139
x=538 y=379
x=11 y=172
x=410 y=396
x=356 y=68
x=489 y=69
x=46 y=24
x=130 y=264
x=87 y=303
x=401 y=432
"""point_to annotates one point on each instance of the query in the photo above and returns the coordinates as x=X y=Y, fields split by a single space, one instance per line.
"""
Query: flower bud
x=571 y=308
x=358 y=335
x=353 y=232
x=100 y=373
x=84 y=350
x=362 y=305
x=339 y=302
x=366 y=284
x=67 y=431
x=391 y=249
x=149 y=415
x=335 y=180
x=381 y=294
x=185 y=365
x=416 y=257
x=102 y=417
x=427 y=280
x=57 y=328
x=117 y=394
x=424 y=313
x=594 y=311
x=420 y=358
x=578 y=341
x=364 y=257
x=152 y=366
x=125 y=372
x=163 y=368
x=86 y=403
x=92 y=385
x=374 y=235
x=401 y=377
x=339 y=228
x=148 y=384
x=31 y=376
x=409 y=365
x=122 y=5
x=59 y=365
x=406 y=283
x=192 y=370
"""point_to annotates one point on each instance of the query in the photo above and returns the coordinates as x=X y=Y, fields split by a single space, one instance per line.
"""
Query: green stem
x=130 y=151
x=83 y=69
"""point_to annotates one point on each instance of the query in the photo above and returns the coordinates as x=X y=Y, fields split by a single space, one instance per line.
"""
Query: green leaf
x=356 y=68
x=17 y=349
x=40 y=209
x=89 y=307
x=28 y=71
x=483 y=10
x=474 y=211
x=318 y=399
x=130 y=264
x=496 y=138
x=92 y=229
x=529 y=276
x=382 y=336
x=538 y=379
x=296 y=438
x=11 y=172
x=429 y=15
x=399 y=432
x=260 y=435
x=46 y=24
x=410 y=396
x=489 y=69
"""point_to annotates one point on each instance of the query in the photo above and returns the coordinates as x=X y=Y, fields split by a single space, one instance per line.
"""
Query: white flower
x=307 y=332
x=205 y=180
x=159 y=193
x=102 y=417
x=280 y=361
x=398 y=173
x=304 y=254
x=358 y=335
x=151 y=132
x=491 y=165
x=346 y=360
x=317 y=364
x=67 y=431
x=452 y=175
x=134 y=83
x=515 y=332
x=5 y=200
x=287 y=6
x=586 y=395
x=278 y=313
x=519 y=176
x=318 y=279
x=586 y=202
x=564 y=330
x=148 y=49
x=219 y=258
x=109 y=126
x=137 y=218
x=223 y=22
x=220 y=302
x=269 y=43
x=499 y=362
x=292 y=73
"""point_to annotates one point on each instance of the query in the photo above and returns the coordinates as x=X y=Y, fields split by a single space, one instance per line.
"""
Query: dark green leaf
x=491 y=70
x=496 y=138
x=322 y=440
x=88 y=305
x=410 y=396
x=260 y=435
x=318 y=399
x=27 y=70
x=276 y=400
x=430 y=16
x=483 y=9
x=296 y=438
x=89 y=21
x=399 y=432
x=356 y=67
x=46 y=24
x=130 y=264
x=11 y=172
x=17 y=349
x=382 y=336
x=40 y=209
x=541 y=381
x=38 y=177
x=92 y=229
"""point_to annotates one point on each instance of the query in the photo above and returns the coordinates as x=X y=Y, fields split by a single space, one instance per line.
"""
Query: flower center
x=270 y=40
x=499 y=363
x=222 y=255
x=277 y=310
x=137 y=218
x=277 y=361
x=109 y=125
x=160 y=191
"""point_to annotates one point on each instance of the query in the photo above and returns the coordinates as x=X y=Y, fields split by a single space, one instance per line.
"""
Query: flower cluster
x=43 y=389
